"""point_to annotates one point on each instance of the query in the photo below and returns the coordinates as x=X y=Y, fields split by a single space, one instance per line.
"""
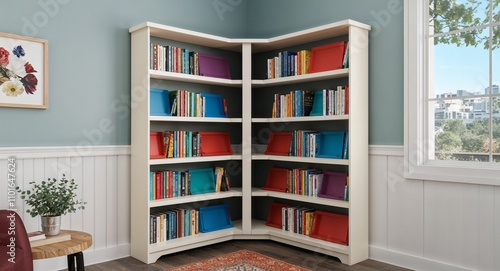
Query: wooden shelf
x=194 y=119
x=234 y=192
x=258 y=192
x=183 y=77
x=301 y=119
x=311 y=77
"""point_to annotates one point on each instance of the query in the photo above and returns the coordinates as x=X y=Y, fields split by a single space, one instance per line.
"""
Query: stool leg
x=79 y=261
x=71 y=262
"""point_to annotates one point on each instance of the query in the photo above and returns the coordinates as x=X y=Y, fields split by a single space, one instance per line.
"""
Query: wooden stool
x=71 y=248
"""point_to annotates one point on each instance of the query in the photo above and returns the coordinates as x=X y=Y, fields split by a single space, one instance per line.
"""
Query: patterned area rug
x=242 y=260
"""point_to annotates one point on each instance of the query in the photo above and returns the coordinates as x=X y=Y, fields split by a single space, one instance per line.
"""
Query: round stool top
x=79 y=241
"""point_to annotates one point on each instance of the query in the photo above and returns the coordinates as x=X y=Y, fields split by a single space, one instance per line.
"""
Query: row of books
x=186 y=103
x=330 y=102
x=180 y=144
x=173 y=224
x=288 y=63
x=181 y=222
x=320 y=58
x=296 y=103
x=171 y=183
x=307 y=221
x=297 y=219
x=173 y=59
x=309 y=143
x=309 y=182
x=321 y=144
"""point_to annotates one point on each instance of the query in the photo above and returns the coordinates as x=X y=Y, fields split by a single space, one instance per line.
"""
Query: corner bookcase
x=249 y=95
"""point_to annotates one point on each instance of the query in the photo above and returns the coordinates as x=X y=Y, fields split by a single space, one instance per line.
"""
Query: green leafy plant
x=52 y=197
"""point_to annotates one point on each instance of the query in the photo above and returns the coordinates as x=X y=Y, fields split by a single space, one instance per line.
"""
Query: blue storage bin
x=214 y=105
x=202 y=180
x=159 y=102
x=330 y=144
x=214 y=218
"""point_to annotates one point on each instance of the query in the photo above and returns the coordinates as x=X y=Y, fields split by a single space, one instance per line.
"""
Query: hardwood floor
x=305 y=258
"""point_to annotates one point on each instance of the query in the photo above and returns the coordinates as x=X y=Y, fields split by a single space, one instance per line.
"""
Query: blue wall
x=89 y=58
x=275 y=17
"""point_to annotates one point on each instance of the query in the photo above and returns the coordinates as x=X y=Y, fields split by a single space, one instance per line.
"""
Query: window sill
x=468 y=174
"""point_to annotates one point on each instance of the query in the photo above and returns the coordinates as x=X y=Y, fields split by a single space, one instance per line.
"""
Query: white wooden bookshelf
x=248 y=154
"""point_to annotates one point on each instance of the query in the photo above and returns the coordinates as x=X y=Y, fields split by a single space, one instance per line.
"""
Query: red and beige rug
x=240 y=260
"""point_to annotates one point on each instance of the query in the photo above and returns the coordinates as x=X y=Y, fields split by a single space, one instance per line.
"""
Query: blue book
x=151 y=185
x=187 y=222
x=296 y=101
x=346 y=145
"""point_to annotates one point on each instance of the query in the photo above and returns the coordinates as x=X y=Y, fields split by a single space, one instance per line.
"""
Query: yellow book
x=218 y=181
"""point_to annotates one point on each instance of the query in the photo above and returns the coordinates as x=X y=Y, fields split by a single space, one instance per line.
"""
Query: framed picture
x=23 y=71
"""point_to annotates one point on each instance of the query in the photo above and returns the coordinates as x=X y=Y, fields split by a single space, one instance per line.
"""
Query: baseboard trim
x=90 y=257
x=411 y=262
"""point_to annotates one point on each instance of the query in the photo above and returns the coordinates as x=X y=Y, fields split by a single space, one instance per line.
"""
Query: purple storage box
x=213 y=66
x=333 y=186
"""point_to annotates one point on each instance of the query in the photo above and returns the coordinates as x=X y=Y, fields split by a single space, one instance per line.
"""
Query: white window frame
x=417 y=166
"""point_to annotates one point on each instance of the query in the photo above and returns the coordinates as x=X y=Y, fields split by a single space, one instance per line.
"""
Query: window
x=452 y=97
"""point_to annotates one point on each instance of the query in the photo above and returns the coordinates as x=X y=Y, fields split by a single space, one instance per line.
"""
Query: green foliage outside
x=452 y=15
x=456 y=137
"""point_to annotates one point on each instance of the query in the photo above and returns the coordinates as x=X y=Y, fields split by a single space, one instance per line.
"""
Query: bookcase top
x=262 y=44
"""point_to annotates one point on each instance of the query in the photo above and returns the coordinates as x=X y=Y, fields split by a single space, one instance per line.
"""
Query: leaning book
x=51 y=239
x=36 y=235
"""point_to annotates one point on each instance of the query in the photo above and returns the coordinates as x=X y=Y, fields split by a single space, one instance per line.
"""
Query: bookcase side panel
x=247 y=137
x=139 y=144
x=358 y=144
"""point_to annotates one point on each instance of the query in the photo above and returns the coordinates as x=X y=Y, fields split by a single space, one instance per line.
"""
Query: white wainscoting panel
x=427 y=225
x=405 y=210
x=378 y=201
x=418 y=224
x=103 y=177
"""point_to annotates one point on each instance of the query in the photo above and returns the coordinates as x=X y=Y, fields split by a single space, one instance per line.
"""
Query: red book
x=36 y=235
x=159 y=181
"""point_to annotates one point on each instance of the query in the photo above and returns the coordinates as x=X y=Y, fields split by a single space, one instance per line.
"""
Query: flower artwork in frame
x=23 y=71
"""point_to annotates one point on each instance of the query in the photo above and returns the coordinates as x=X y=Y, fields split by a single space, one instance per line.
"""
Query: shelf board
x=341 y=73
x=299 y=159
x=300 y=119
x=259 y=227
x=258 y=192
x=197 y=238
x=190 y=78
x=234 y=192
x=194 y=119
x=197 y=159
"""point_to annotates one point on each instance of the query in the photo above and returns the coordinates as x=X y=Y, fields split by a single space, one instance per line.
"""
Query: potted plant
x=50 y=200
